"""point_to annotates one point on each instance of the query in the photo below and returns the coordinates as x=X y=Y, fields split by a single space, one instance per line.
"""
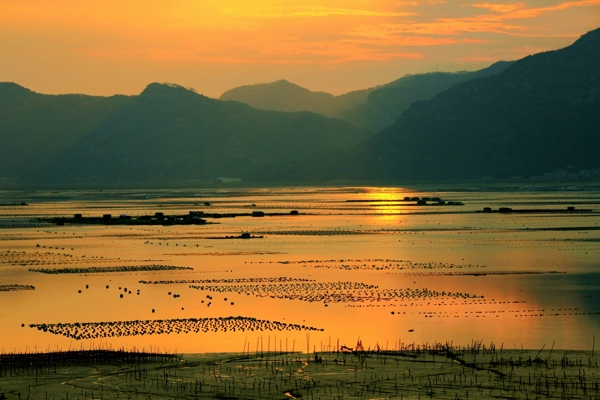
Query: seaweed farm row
x=104 y=270
x=222 y=281
x=95 y=330
x=380 y=264
x=11 y=288
x=333 y=292
x=23 y=258
x=481 y=273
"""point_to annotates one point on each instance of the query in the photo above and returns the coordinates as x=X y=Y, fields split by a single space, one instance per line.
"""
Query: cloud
x=401 y=41
x=333 y=52
x=442 y=26
x=537 y=11
x=283 y=50
x=501 y=8
x=272 y=33
x=502 y=23
x=281 y=12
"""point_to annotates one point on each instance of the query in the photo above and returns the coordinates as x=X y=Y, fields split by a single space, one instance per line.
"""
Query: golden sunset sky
x=103 y=47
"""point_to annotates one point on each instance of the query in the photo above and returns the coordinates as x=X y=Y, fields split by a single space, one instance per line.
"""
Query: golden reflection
x=386 y=201
x=425 y=257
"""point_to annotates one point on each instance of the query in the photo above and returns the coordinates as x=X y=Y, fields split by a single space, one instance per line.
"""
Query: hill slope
x=540 y=115
x=169 y=134
x=35 y=128
x=385 y=104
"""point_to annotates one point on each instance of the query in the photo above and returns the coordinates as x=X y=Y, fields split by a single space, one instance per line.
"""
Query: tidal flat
x=435 y=371
x=300 y=271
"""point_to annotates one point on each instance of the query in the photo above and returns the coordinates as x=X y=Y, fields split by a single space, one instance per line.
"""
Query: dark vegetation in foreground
x=430 y=371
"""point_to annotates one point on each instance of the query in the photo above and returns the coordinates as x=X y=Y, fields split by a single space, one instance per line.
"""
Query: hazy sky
x=105 y=47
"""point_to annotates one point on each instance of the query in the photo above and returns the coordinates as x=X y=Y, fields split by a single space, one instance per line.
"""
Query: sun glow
x=95 y=47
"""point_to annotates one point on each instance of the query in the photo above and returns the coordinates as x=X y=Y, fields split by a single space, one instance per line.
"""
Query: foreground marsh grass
x=439 y=371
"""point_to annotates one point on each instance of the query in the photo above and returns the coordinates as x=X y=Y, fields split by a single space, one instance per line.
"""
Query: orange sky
x=107 y=47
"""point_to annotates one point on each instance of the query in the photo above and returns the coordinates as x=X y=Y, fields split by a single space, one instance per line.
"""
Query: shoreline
x=441 y=371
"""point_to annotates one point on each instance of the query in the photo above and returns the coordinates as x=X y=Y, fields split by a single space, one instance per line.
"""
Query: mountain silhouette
x=540 y=117
x=535 y=118
x=35 y=128
x=171 y=134
x=371 y=109
x=384 y=104
x=282 y=95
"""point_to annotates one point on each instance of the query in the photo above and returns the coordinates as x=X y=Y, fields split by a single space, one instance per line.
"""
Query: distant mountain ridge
x=384 y=104
x=538 y=117
x=371 y=109
x=283 y=95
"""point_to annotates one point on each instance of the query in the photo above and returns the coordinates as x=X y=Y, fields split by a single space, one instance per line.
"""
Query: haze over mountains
x=286 y=96
x=535 y=116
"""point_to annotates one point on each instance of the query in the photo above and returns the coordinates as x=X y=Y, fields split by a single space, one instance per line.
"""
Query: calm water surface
x=510 y=279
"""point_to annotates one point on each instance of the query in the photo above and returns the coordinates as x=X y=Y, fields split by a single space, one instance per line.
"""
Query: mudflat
x=432 y=371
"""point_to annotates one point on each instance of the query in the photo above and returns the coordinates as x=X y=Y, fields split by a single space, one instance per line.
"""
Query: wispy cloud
x=537 y=11
x=445 y=26
x=188 y=34
x=501 y=22
x=281 y=12
x=323 y=53
x=501 y=8
x=401 y=41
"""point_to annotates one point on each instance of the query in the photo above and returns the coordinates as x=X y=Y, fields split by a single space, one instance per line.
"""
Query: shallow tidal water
x=359 y=264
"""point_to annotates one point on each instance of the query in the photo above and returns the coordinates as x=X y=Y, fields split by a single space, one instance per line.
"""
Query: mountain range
x=538 y=116
x=165 y=134
x=371 y=109
x=285 y=96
